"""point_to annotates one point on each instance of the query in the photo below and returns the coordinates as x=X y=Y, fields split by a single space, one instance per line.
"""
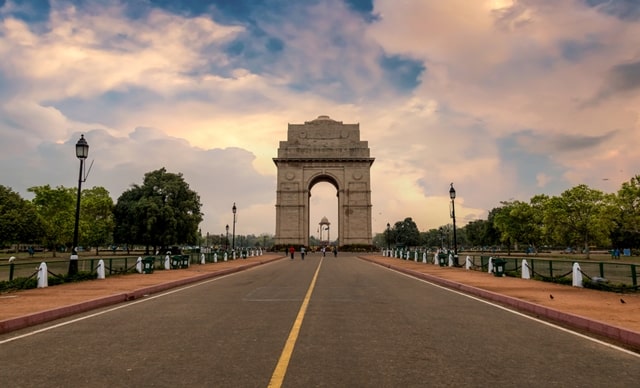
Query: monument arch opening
x=323 y=150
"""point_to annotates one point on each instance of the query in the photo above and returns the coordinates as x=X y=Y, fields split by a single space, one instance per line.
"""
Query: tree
x=56 y=209
x=626 y=214
x=96 y=217
x=476 y=232
x=19 y=220
x=578 y=217
x=406 y=233
x=520 y=222
x=162 y=212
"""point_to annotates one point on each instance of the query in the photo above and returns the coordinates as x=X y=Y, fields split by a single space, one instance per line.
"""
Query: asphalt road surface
x=321 y=322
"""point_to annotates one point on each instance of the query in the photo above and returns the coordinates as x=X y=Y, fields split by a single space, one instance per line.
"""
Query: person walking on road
x=335 y=251
x=291 y=251
x=324 y=251
x=302 y=252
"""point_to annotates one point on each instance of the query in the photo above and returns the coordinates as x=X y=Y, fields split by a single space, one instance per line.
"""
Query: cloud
x=507 y=99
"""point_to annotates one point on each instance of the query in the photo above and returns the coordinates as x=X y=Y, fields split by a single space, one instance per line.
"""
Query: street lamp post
x=233 y=244
x=388 y=231
x=82 y=151
x=452 y=195
x=226 y=241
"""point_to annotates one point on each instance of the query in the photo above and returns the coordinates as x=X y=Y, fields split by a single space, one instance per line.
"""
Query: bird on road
x=550 y=296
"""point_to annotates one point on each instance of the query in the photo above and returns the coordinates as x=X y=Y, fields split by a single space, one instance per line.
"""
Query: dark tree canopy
x=162 y=212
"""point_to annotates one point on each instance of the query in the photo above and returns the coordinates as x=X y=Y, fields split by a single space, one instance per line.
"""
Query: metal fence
x=614 y=273
x=27 y=268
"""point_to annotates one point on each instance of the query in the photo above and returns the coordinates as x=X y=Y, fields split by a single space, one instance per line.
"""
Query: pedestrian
x=335 y=251
x=291 y=251
x=324 y=251
x=302 y=252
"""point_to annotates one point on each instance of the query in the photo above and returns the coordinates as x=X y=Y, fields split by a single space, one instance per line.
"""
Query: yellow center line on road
x=283 y=363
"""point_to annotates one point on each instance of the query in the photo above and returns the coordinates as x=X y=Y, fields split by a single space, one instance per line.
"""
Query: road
x=322 y=322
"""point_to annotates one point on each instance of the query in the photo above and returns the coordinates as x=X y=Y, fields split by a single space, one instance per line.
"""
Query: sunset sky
x=505 y=98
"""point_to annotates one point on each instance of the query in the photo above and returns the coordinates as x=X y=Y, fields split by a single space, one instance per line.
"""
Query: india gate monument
x=323 y=150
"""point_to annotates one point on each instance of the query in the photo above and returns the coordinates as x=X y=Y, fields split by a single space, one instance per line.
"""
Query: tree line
x=163 y=211
x=580 y=218
x=160 y=213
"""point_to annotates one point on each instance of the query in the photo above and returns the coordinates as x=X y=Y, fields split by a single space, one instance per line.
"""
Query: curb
x=25 y=321
x=618 y=334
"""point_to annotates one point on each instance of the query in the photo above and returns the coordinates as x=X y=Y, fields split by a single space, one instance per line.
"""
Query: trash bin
x=184 y=263
x=442 y=259
x=498 y=267
x=176 y=261
x=148 y=264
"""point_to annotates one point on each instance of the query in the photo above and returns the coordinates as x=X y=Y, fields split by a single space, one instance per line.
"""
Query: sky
x=506 y=99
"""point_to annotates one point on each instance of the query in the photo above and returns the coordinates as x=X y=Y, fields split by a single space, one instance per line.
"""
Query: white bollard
x=577 y=275
x=139 y=265
x=490 y=265
x=526 y=273
x=215 y=257
x=467 y=264
x=415 y=256
x=167 y=262
x=234 y=255
x=100 y=269
x=43 y=276
x=225 y=256
x=450 y=260
x=202 y=259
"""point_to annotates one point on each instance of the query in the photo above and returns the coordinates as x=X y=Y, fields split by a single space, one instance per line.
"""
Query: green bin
x=498 y=267
x=148 y=264
x=442 y=259
x=176 y=261
x=184 y=263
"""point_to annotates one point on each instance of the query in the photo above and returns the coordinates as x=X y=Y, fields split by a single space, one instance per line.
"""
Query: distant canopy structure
x=324 y=226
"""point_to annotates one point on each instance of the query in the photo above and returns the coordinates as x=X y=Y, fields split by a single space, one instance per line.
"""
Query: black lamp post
x=388 y=231
x=452 y=195
x=82 y=151
x=226 y=241
x=233 y=244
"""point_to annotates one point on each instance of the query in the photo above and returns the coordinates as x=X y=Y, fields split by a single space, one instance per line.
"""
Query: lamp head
x=233 y=209
x=82 y=148
x=452 y=192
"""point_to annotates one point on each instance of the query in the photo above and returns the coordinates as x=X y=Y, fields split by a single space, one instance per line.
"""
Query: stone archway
x=323 y=150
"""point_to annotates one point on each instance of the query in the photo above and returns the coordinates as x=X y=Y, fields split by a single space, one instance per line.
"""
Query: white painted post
x=577 y=275
x=167 y=262
x=43 y=276
x=490 y=265
x=225 y=256
x=215 y=257
x=202 y=258
x=467 y=264
x=100 y=269
x=526 y=273
x=450 y=260
x=139 y=265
